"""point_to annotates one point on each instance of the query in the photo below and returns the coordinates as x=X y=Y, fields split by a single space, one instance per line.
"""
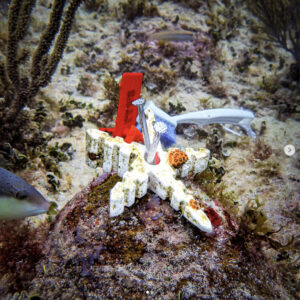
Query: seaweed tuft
x=21 y=249
x=96 y=5
x=137 y=8
x=281 y=23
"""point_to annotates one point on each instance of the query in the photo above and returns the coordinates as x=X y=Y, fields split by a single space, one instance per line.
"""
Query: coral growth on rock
x=177 y=158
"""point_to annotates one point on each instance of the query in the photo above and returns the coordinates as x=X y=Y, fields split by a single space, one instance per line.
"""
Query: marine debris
x=147 y=166
x=237 y=117
x=128 y=160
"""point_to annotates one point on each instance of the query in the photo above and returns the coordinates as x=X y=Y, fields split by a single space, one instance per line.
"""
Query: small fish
x=173 y=36
x=18 y=199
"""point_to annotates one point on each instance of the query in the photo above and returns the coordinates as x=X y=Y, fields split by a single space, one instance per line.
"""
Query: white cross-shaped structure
x=128 y=160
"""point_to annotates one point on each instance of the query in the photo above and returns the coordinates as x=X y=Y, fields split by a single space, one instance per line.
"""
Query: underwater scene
x=149 y=149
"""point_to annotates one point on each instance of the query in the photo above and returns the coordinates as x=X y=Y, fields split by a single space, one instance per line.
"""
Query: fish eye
x=21 y=195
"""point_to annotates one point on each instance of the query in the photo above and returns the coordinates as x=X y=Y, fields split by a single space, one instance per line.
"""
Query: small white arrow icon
x=289 y=150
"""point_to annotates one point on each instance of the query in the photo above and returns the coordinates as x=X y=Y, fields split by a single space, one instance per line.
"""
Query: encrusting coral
x=20 y=88
x=177 y=158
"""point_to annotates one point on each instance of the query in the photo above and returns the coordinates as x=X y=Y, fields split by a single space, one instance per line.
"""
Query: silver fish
x=173 y=36
x=18 y=199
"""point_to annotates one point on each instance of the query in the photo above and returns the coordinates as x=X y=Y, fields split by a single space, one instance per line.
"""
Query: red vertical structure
x=130 y=89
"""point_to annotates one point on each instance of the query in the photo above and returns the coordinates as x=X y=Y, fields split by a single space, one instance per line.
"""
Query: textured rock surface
x=149 y=252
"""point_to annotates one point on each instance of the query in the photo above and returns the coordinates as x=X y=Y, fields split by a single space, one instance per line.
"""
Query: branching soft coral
x=18 y=88
x=282 y=22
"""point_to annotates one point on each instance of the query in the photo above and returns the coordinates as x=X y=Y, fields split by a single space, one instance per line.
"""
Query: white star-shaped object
x=128 y=160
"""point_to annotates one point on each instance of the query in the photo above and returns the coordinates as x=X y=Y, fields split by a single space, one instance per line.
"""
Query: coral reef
x=151 y=251
x=282 y=23
x=119 y=257
x=21 y=88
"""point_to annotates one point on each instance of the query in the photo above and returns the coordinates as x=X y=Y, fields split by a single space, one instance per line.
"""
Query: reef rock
x=148 y=252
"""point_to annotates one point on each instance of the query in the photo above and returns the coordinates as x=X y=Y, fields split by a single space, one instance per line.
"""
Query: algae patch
x=102 y=191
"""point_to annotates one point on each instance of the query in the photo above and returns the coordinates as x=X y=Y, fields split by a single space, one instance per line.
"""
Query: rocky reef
x=148 y=252
x=151 y=251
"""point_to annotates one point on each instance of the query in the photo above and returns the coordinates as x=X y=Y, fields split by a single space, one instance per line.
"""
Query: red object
x=213 y=216
x=156 y=159
x=130 y=89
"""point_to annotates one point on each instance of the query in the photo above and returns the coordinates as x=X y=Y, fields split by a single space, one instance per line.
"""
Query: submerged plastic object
x=138 y=176
x=239 y=117
x=126 y=116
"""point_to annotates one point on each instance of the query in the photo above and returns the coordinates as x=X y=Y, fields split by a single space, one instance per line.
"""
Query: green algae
x=137 y=8
x=161 y=76
x=224 y=20
x=167 y=49
x=255 y=217
x=176 y=109
x=41 y=113
x=270 y=83
x=51 y=158
x=228 y=199
x=72 y=121
x=210 y=181
x=62 y=152
x=194 y=4
x=268 y=168
x=103 y=191
x=52 y=211
x=66 y=104
x=50 y=163
x=112 y=90
x=53 y=181
x=96 y=5
x=86 y=85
